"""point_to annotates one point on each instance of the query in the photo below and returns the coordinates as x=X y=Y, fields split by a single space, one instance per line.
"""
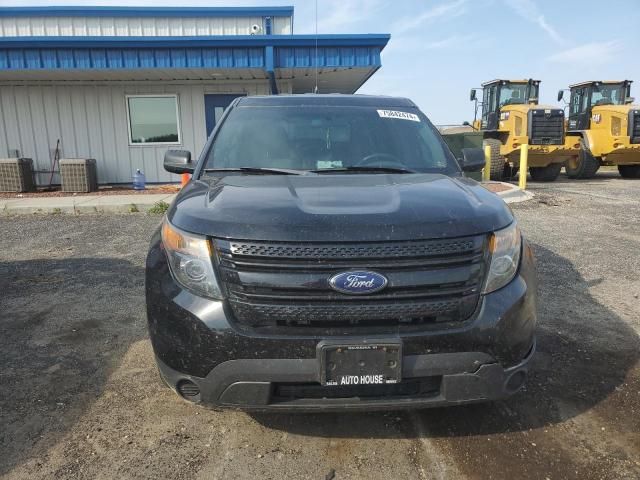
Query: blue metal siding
x=303 y=57
x=134 y=58
x=338 y=51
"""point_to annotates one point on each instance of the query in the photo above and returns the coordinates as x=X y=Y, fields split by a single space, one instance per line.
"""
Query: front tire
x=583 y=167
x=545 y=174
x=497 y=161
x=629 y=171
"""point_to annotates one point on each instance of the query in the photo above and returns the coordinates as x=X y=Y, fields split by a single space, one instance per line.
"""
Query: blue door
x=214 y=106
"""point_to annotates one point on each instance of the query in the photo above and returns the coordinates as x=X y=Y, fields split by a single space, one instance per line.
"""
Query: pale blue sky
x=440 y=49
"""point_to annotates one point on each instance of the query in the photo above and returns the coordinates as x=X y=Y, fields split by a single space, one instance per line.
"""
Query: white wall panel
x=122 y=27
x=91 y=122
x=281 y=26
x=42 y=156
x=94 y=27
x=10 y=120
x=66 y=27
x=4 y=146
x=51 y=26
x=25 y=127
x=108 y=163
x=80 y=26
x=136 y=26
x=123 y=159
x=67 y=132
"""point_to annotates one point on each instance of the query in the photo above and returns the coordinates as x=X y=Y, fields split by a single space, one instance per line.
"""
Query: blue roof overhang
x=343 y=62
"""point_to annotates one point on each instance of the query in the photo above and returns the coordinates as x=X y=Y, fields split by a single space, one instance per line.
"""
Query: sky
x=439 y=50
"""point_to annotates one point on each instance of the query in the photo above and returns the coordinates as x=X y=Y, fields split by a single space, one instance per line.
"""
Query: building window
x=153 y=119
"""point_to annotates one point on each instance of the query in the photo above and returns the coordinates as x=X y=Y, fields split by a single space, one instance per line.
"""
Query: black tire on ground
x=586 y=165
x=629 y=171
x=497 y=160
x=510 y=171
x=545 y=174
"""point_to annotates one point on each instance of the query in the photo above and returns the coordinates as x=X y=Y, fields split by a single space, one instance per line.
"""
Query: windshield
x=608 y=94
x=516 y=93
x=329 y=138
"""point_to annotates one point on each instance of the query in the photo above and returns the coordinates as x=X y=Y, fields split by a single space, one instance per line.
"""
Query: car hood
x=340 y=207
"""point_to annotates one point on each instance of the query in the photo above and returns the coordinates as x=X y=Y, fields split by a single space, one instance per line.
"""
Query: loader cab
x=500 y=93
x=586 y=95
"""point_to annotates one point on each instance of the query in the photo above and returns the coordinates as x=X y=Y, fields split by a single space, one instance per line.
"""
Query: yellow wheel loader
x=511 y=117
x=607 y=125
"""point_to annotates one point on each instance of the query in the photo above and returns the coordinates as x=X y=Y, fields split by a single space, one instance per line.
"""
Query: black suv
x=329 y=254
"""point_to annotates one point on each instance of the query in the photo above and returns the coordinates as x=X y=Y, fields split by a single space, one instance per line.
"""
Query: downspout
x=269 y=54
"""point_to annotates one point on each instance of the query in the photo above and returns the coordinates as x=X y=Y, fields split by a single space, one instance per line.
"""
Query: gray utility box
x=16 y=175
x=78 y=175
x=458 y=138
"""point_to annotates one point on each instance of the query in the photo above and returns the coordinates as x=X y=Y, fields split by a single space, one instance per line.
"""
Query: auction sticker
x=400 y=115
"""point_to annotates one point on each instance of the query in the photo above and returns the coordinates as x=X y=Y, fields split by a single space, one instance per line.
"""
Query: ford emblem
x=358 y=283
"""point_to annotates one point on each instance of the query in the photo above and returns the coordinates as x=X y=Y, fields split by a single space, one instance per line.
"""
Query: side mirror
x=472 y=94
x=560 y=94
x=472 y=159
x=178 y=161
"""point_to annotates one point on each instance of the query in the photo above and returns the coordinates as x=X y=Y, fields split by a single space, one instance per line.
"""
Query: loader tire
x=585 y=166
x=629 y=171
x=545 y=174
x=497 y=161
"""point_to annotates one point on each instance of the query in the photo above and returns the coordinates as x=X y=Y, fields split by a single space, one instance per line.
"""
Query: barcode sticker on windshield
x=401 y=115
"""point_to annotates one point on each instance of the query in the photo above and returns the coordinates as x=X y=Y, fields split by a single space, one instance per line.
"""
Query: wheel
x=545 y=174
x=497 y=161
x=584 y=166
x=629 y=171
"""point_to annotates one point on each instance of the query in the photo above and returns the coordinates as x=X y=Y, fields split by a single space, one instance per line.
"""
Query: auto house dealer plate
x=360 y=364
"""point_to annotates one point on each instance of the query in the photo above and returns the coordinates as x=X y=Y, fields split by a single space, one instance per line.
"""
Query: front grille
x=414 y=387
x=287 y=285
x=546 y=127
x=412 y=249
x=634 y=126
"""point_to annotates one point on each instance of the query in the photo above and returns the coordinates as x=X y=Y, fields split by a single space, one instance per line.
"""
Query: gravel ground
x=80 y=397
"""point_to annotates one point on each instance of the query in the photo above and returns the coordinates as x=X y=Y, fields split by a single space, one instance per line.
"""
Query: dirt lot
x=80 y=398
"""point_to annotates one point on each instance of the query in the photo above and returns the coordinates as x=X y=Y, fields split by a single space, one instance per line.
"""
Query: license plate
x=361 y=364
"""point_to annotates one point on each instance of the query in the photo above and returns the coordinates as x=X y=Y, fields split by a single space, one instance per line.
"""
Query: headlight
x=504 y=116
x=190 y=261
x=504 y=246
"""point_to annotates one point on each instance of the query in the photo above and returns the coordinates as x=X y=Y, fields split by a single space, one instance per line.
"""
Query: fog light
x=188 y=390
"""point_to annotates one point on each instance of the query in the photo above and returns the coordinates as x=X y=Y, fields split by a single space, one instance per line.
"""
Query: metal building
x=123 y=85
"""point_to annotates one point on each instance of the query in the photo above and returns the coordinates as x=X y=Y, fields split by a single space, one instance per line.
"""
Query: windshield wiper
x=257 y=170
x=363 y=168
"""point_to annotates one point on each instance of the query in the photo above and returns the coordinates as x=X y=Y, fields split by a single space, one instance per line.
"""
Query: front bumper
x=544 y=155
x=456 y=379
x=198 y=344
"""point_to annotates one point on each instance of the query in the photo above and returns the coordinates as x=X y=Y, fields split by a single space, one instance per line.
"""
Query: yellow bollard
x=524 y=161
x=486 y=173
